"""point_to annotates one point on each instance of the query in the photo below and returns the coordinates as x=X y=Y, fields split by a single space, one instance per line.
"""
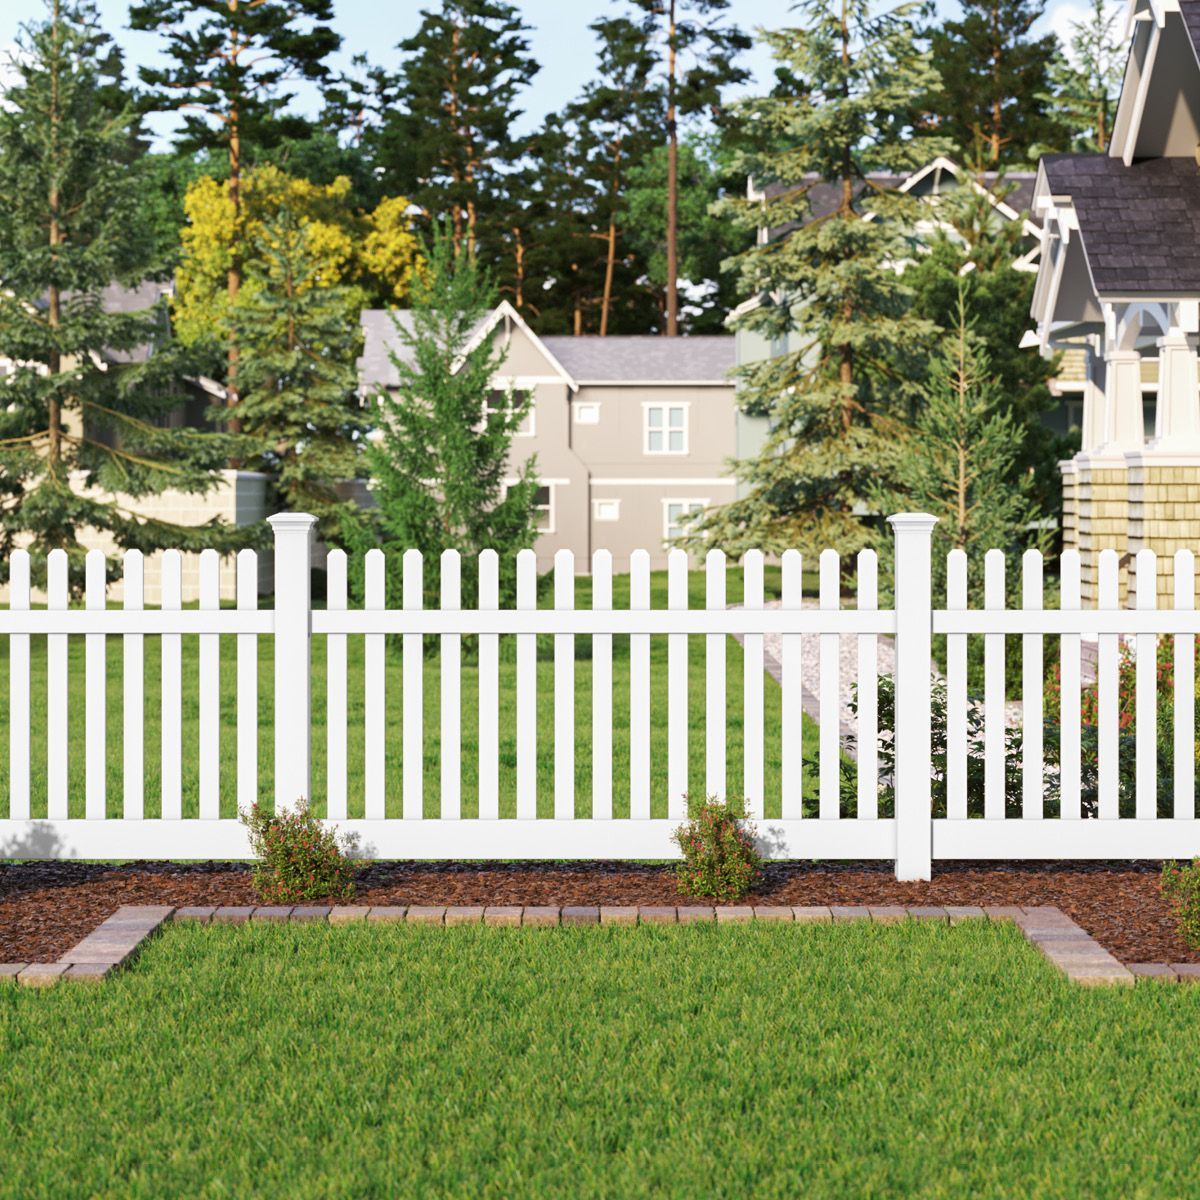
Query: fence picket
x=1107 y=684
x=18 y=692
x=374 y=691
x=210 y=691
x=714 y=679
x=489 y=691
x=639 y=690
x=994 y=723
x=564 y=691
x=336 y=689
x=1185 y=692
x=1070 y=645
x=1146 y=692
x=413 y=762
x=602 y=761
x=1031 y=691
x=956 y=690
x=868 y=691
x=752 y=690
x=792 y=700
x=527 y=689
x=133 y=694
x=450 y=666
x=677 y=690
x=95 y=691
x=58 y=735
x=829 y=691
x=172 y=690
x=1107 y=691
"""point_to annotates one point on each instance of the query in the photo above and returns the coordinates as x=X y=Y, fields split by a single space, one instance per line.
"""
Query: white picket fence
x=861 y=810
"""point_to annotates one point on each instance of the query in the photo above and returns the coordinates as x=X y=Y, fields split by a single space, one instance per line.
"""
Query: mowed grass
x=44 y=742
x=851 y=1060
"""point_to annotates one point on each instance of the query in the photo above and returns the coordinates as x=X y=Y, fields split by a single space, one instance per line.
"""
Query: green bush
x=720 y=858
x=1181 y=887
x=298 y=859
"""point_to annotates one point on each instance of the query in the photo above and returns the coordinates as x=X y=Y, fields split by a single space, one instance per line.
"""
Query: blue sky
x=561 y=40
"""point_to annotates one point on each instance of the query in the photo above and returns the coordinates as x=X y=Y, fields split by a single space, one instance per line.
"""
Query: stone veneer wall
x=1164 y=516
x=1102 y=503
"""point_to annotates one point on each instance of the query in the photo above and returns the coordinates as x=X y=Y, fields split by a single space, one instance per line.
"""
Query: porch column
x=1177 y=417
x=1124 y=424
x=1095 y=402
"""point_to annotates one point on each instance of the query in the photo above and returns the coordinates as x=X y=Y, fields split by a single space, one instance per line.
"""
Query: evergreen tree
x=439 y=466
x=1087 y=79
x=996 y=82
x=230 y=63
x=299 y=339
x=828 y=286
x=961 y=460
x=976 y=246
x=699 y=51
x=78 y=431
x=449 y=138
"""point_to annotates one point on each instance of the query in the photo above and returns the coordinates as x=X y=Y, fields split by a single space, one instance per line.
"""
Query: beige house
x=631 y=433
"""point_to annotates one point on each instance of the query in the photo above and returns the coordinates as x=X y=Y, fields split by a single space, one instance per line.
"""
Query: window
x=675 y=516
x=587 y=414
x=606 y=510
x=505 y=401
x=543 y=509
x=666 y=428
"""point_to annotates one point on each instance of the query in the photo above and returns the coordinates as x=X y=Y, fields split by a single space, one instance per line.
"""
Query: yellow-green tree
x=369 y=256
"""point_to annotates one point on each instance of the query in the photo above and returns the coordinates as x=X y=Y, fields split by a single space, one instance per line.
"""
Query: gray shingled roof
x=585 y=359
x=1140 y=224
x=1190 y=11
x=617 y=359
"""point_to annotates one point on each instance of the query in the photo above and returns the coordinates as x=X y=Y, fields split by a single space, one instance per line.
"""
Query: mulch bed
x=46 y=907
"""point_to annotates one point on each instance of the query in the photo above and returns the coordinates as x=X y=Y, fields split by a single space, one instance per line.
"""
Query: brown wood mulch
x=46 y=907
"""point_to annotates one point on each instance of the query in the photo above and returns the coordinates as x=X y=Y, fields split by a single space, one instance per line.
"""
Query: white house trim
x=666 y=429
x=504 y=310
x=667 y=481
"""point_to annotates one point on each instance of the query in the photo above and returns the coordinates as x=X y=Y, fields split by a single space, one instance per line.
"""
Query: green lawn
x=469 y=760
x=849 y=1060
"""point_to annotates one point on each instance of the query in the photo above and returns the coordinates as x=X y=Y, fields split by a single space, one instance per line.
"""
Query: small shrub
x=298 y=858
x=1181 y=888
x=720 y=858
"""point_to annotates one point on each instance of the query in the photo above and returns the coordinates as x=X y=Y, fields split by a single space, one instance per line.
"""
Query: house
x=1119 y=284
x=632 y=434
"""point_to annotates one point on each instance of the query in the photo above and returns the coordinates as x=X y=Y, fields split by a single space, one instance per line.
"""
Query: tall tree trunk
x=610 y=256
x=672 y=185
x=997 y=105
x=846 y=213
x=519 y=268
x=54 y=309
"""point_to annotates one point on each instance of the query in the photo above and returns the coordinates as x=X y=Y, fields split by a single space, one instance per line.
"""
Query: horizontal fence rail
x=486 y=715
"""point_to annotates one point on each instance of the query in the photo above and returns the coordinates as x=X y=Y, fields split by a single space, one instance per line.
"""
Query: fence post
x=293 y=681
x=913 y=724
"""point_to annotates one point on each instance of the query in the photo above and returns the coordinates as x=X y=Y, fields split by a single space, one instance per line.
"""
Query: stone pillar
x=1177 y=415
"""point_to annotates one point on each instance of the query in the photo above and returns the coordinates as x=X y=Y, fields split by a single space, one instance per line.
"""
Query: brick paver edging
x=116 y=941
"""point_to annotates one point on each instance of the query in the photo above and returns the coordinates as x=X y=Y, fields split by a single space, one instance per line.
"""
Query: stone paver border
x=117 y=940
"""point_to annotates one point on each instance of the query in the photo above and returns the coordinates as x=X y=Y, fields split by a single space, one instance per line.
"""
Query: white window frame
x=551 y=509
x=590 y=405
x=516 y=385
x=694 y=501
x=596 y=510
x=666 y=406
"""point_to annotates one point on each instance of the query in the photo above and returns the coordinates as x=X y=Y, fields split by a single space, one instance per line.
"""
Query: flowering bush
x=720 y=858
x=1181 y=887
x=298 y=858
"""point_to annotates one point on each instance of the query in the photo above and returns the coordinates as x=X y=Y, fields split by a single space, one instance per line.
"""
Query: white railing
x=940 y=785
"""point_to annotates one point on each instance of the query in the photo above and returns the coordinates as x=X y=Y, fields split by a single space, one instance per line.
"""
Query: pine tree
x=689 y=30
x=231 y=61
x=80 y=426
x=1087 y=79
x=961 y=460
x=828 y=286
x=976 y=246
x=299 y=339
x=994 y=101
x=439 y=467
x=449 y=138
